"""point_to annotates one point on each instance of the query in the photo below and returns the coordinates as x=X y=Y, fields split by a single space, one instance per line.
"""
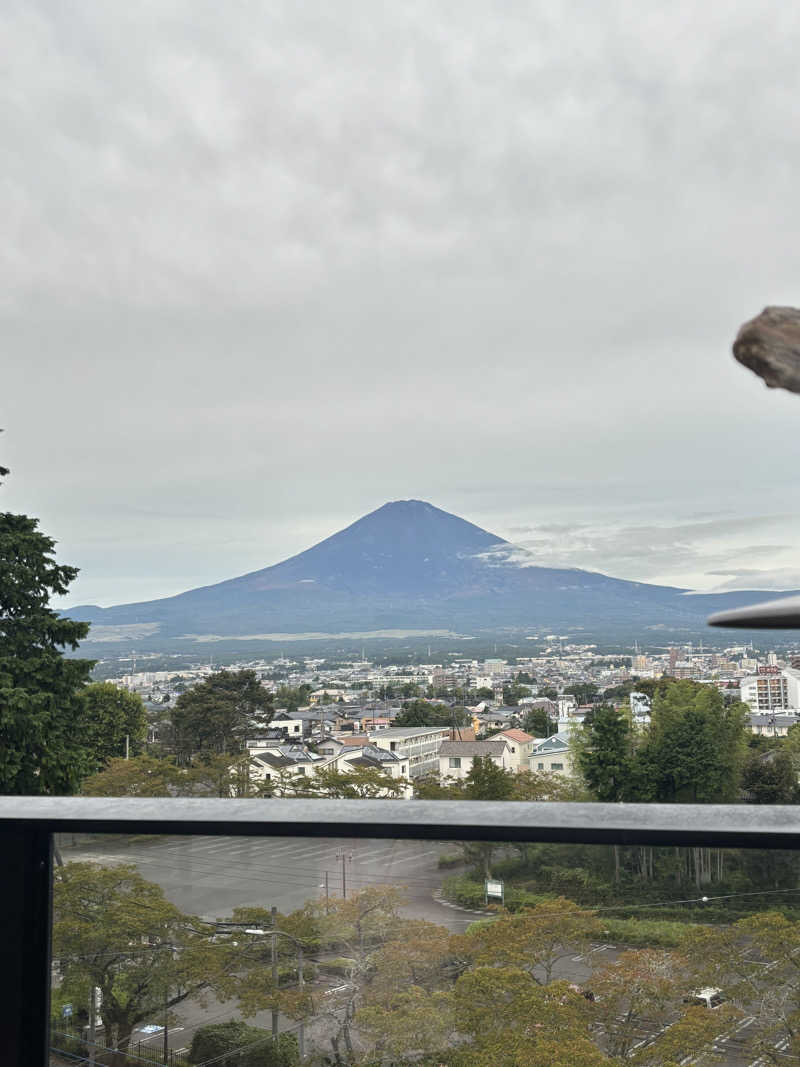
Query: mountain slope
x=409 y=565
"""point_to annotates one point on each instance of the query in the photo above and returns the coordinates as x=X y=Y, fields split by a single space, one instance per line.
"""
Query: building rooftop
x=472 y=748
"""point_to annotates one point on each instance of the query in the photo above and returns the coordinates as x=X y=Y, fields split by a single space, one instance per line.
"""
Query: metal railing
x=28 y=823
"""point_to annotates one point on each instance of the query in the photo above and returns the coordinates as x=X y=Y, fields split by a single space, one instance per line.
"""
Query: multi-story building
x=418 y=744
x=766 y=691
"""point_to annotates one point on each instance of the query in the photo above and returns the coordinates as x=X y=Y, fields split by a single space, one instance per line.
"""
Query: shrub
x=647 y=933
x=210 y=1042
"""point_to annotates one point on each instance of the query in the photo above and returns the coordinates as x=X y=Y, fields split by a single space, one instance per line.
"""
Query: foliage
x=116 y=931
x=213 y=1041
x=547 y=785
x=111 y=715
x=487 y=781
x=42 y=742
x=606 y=759
x=513 y=692
x=695 y=746
x=647 y=933
x=769 y=778
x=217 y=715
x=422 y=713
x=538 y=723
x=146 y=776
x=291 y=698
x=584 y=692
x=535 y=939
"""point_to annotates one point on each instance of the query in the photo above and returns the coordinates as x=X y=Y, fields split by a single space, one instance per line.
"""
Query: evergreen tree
x=42 y=743
x=112 y=716
x=606 y=756
x=487 y=781
x=696 y=745
x=217 y=715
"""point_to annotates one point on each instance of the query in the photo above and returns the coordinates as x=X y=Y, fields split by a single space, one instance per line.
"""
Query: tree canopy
x=111 y=716
x=43 y=745
x=217 y=715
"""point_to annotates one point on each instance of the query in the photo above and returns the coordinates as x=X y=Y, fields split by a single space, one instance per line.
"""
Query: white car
x=706 y=998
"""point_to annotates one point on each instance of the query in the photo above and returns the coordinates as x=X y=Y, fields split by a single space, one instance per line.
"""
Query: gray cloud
x=267 y=266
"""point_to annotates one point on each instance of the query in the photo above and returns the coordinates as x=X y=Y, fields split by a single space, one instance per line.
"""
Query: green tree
x=584 y=692
x=217 y=715
x=696 y=745
x=117 y=932
x=146 y=776
x=487 y=781
x=422 y=713
x=769 y=778
x=214 y=1041
x=42 y=742
x=513 y=692
x=292 y=697
x=112 y=715
x=606 y=756
x=538 y=723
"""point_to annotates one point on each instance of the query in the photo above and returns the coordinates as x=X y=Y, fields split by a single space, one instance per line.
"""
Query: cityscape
x=399 y=534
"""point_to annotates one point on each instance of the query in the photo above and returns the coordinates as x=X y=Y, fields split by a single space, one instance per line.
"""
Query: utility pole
x=274 y=914
x=345 y=858
x=92 y=1022
x=327 y=897
x=166 y=1024
x=127 y=746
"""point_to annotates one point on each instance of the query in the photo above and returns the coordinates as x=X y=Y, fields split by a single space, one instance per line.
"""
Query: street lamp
x=274 y=933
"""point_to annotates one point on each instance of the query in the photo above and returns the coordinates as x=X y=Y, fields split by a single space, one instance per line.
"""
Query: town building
x=457 y=757
x=418 y=744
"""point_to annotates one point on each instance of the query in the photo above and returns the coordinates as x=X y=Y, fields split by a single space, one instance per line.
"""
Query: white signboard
x=494 y=889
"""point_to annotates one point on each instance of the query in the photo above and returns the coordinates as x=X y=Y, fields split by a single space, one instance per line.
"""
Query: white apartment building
x=792 y=676
x=766 y=691
x=418 y=744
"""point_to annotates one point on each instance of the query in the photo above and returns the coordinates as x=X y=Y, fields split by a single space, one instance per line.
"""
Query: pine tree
x=41 y=713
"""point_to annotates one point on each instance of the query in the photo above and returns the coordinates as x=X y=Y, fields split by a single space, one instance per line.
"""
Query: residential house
x=552 y=754
x=457 y=757
x=772 y=725
x=520 y=745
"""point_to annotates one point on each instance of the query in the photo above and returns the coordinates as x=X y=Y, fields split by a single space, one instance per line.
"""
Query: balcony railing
x=27 y=826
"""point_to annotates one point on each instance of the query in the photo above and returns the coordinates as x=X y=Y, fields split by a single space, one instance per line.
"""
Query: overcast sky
x=268 y=265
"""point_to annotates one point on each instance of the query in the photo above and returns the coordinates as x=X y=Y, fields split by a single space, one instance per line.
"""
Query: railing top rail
x=734 y=825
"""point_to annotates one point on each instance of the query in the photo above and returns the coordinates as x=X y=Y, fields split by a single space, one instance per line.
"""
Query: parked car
x=706 y=998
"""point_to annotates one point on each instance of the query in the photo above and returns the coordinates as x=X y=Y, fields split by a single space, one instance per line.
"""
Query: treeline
x=386 y=989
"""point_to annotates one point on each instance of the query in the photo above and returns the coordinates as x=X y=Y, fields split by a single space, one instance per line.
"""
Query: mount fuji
x=407 y=567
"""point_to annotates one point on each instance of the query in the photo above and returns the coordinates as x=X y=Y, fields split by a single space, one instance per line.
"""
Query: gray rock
x=770 y=346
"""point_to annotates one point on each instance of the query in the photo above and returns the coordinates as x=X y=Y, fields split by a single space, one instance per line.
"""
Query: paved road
x=210 y=876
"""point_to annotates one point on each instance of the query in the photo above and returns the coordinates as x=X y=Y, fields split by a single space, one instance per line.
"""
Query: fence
x=70 y=1042
x=27 y=825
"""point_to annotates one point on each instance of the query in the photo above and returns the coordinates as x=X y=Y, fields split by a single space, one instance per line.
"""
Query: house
x=418 y=744
x=282 y=760
x=552 y=754
x=462 y=733
x=456 y=757
x=371 y=756
x=772 y=725
x=495 y=719
x=520 y=745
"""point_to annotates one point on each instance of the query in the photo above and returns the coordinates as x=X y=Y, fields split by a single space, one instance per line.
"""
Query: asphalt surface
x=210 y=876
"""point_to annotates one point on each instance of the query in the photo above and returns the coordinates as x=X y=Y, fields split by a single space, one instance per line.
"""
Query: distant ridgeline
x=408 y=570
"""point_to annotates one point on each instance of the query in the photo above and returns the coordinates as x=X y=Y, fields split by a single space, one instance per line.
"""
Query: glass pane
x=167 y=949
